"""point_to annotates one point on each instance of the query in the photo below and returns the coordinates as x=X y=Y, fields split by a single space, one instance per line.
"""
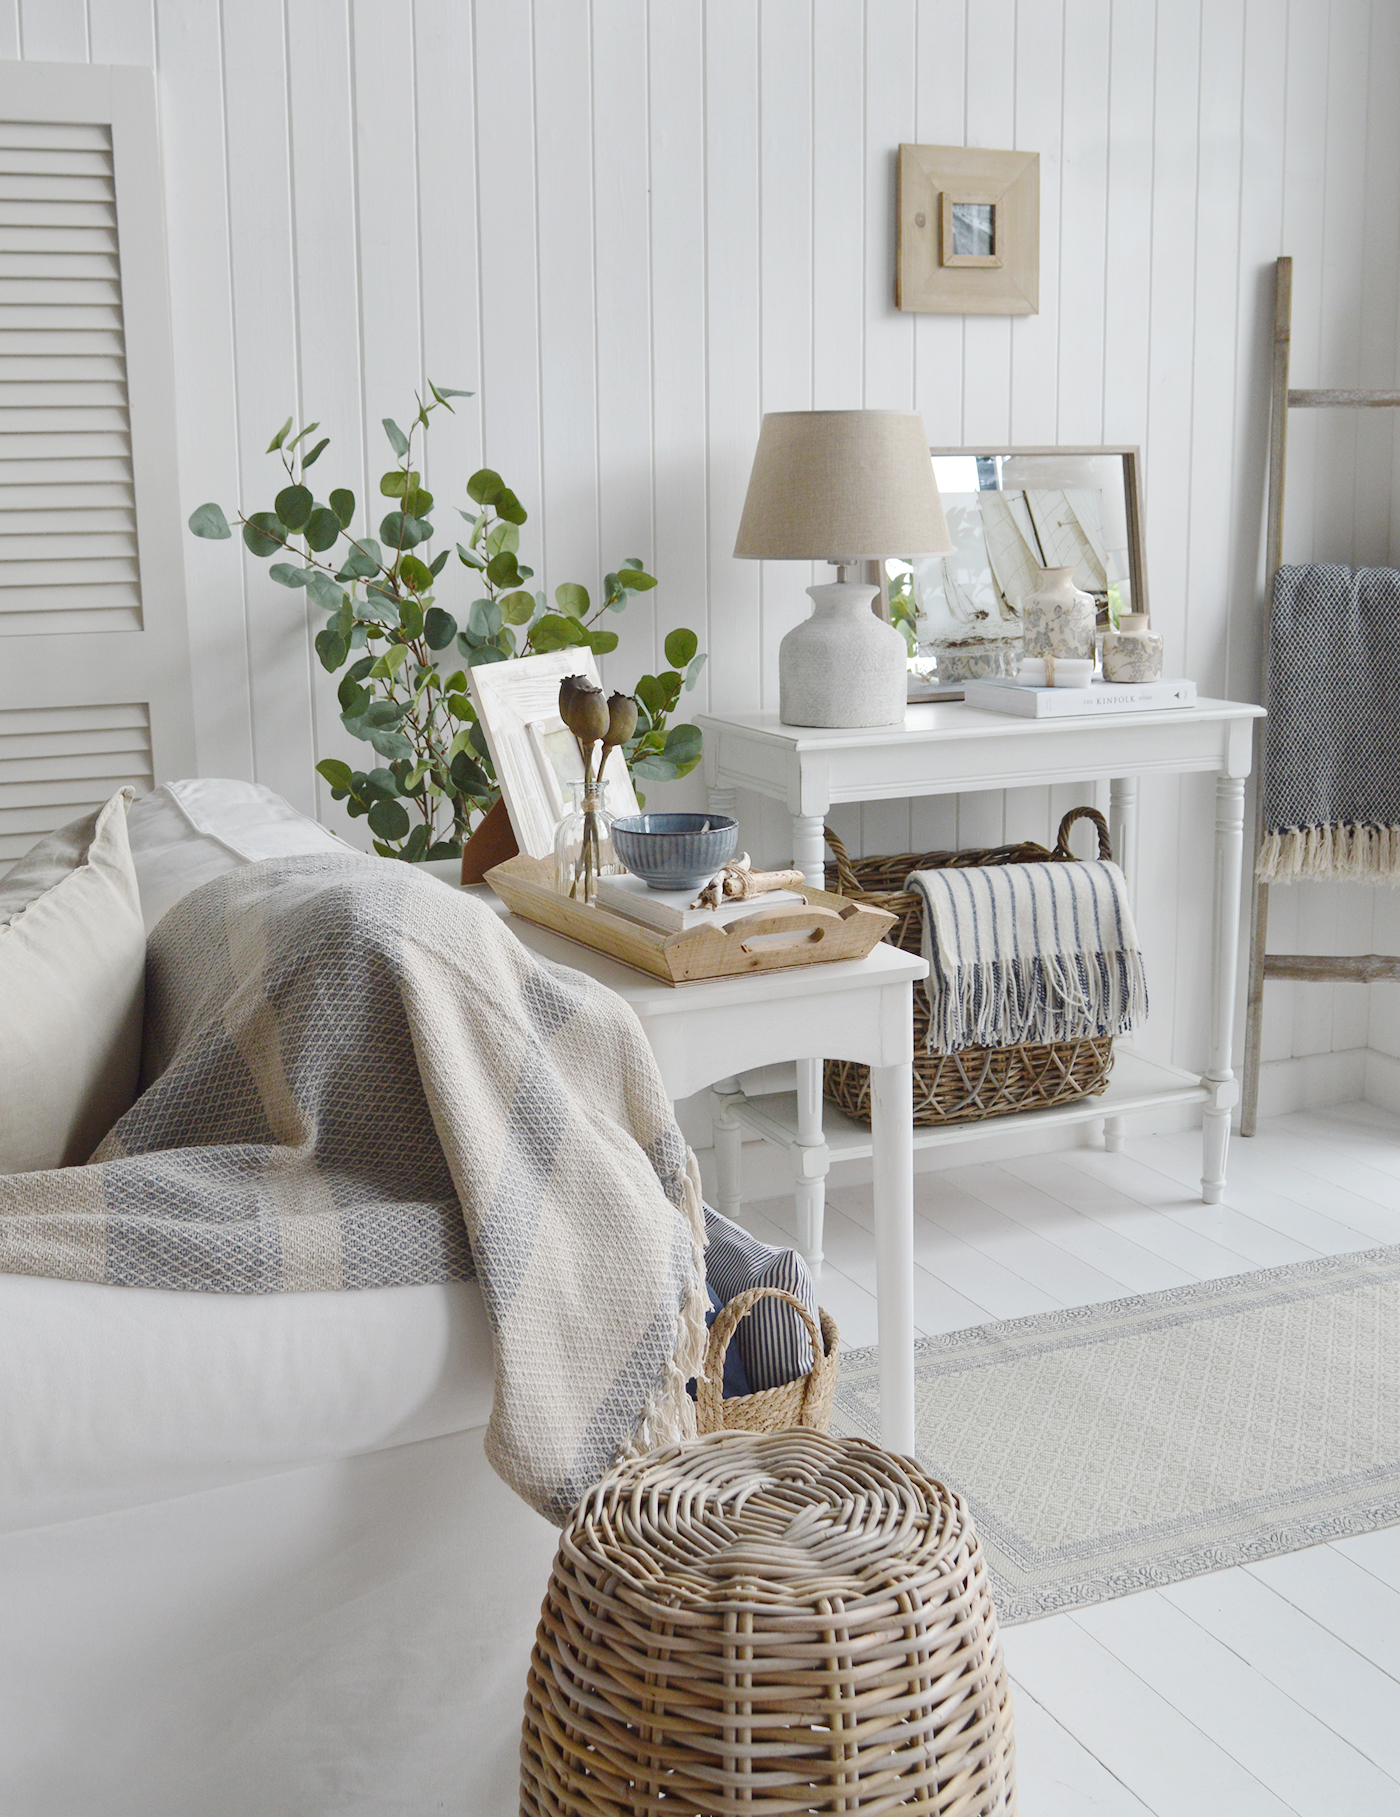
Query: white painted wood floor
x=1261 y=1689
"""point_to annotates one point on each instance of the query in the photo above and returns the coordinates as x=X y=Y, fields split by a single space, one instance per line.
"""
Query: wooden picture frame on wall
x=968 y=231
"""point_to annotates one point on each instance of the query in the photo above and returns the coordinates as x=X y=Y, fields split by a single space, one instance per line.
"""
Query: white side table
x=949 y=748
x=858 y=1009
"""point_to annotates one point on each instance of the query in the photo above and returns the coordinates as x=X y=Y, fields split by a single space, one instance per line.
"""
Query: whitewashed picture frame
x=517 y=703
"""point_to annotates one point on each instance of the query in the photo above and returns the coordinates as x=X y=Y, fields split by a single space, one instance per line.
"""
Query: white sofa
x=252 y=1556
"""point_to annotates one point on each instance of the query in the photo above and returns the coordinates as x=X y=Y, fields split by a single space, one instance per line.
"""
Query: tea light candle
x=1031 y=673
x=1072 y=672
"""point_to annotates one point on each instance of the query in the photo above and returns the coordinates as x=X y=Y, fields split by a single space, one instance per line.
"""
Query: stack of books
x=670 y=910
x=1099 y=697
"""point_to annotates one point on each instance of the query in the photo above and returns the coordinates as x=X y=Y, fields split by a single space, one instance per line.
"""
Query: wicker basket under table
x=977 y=1082
x=768 y=1623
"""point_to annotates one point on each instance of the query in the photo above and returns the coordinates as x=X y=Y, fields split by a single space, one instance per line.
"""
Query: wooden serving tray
x=823 y=928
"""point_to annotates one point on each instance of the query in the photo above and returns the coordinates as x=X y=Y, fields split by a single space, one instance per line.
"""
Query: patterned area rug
x=1107 y=1449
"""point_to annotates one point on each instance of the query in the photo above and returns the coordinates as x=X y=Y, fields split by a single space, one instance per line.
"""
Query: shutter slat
x=63 y=520
x=52 y=160
x=59 y=601
x=75 y=367
x=62 y=546
x=58 y=445
x=55 y=187
x=18 y=212
x=62 y=472
x=57 y=236
x=61 y=318
x=60 y=292
x=56 y=392
x=17 y=577
x=72 y=723
x=76 y=339
x=61 y=135
x=96 y=262
x=109 y=495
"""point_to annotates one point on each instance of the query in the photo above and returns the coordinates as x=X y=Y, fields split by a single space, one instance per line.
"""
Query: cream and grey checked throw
x=354 y=1077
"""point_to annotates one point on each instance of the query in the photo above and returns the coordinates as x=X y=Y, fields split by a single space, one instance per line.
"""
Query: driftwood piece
x=740 y=882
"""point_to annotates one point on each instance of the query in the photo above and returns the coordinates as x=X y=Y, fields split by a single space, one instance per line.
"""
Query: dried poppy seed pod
x=583 y=709
x=622 y=718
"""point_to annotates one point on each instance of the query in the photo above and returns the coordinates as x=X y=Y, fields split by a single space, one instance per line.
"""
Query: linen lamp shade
x=841 y=486
x=838 y=485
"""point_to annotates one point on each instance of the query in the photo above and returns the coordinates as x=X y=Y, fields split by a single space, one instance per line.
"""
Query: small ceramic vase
x=1057 y=619
x=1132 y=652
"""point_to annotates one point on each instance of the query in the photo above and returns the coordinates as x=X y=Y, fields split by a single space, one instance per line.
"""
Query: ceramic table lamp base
x=842 y=666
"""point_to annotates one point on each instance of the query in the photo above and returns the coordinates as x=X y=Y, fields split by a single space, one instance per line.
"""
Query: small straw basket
x=976 y=1082
x=804 y=1402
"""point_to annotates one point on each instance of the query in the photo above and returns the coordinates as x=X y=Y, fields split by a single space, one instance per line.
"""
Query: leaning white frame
x=509 y=698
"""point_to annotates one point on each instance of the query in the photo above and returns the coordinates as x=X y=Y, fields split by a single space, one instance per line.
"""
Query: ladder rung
x=1346 y=400
x=1320 y=968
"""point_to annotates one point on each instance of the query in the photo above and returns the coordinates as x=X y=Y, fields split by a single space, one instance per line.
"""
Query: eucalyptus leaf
x=416 y=847
x=635 y=579
x=322 y=529
x=293 y=505
x=390 y=662
x=484 y=654
x=411 y=617
x=280 y=437
x=323 y=590
x=364 y=560
x=554 y=632
x=517 y=608
x=396 y=482
x=572 y=598
x=439 y=562
x=502 y=571
x=439 y=628
x=343 y=504
x=485 y=486
x=684 y=747
x=692 y=674
x=389 y=819
x=209 y=520
x=265 y=533
x=443 y=392
x=509 y=507
x=468 y=775
x=485 y=619
x=469 y=559
x=316 y=452
x=417 y=502
x=339 y=775
x=599 y=642
x=680 y=647
x=300 y=436
x=332 y=646
x=398 y=441
x=415 y=574
x=287 y=576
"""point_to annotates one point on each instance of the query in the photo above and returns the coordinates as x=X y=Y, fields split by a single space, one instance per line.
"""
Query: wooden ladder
x=1303 y=968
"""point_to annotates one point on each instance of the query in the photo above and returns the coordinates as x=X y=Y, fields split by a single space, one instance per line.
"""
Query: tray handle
x=807 y=923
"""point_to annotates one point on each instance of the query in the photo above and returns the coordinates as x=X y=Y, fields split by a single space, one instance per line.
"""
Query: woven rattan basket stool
x=779 y=1622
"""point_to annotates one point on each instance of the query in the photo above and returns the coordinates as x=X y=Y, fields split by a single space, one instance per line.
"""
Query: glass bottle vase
x=583 y=847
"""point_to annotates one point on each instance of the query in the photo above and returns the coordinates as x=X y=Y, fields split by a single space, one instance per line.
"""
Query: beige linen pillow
x=72 y=972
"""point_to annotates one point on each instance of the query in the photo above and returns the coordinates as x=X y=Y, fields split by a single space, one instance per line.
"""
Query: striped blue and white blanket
x=1029 y=953
x=357 y=1078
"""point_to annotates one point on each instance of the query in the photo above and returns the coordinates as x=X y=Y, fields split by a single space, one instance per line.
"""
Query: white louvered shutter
x=94 y=653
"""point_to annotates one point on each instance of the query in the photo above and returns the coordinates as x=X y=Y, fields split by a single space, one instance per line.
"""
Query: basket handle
x=709 y=1390
x=845 y=874
x=1100 y=827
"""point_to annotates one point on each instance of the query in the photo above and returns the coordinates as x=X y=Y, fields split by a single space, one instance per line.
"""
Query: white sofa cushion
x=185 y=833
x=72 y=970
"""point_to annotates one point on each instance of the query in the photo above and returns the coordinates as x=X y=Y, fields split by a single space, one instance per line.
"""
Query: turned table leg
x=1225 y=933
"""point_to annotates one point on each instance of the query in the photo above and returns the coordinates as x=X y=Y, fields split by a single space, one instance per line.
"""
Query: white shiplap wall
x=633 y=225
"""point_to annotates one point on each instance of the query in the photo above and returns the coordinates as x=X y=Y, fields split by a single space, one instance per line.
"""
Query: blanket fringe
x=1336 y=853
x=669 y=1416
x=1044 y=997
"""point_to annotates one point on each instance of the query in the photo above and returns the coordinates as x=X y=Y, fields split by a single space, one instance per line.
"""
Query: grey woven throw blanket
x=1332 y=741
x=1029 y=953
x=355 y=1077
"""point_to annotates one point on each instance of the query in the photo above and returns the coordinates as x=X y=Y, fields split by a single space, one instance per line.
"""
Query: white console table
x=951 y=748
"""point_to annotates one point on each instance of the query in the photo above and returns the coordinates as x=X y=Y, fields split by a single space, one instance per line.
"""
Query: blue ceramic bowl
x=675 y=851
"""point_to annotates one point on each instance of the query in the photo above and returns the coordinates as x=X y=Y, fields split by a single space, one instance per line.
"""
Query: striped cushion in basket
x=772 y=1340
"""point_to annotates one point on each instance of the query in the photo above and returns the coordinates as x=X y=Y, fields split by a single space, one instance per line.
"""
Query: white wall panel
x=633 y=225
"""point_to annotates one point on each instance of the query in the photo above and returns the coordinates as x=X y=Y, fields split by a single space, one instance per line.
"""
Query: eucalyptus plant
x=402 y=691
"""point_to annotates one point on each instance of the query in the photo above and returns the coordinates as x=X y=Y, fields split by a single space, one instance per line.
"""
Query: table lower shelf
x=1135 y=1084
